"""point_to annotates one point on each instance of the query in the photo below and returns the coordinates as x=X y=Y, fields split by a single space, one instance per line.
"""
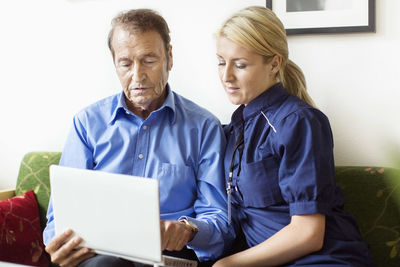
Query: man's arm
x=76 y=154
x=215 y=234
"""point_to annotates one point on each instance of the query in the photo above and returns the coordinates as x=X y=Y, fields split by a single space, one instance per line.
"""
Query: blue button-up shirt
x=180 y=144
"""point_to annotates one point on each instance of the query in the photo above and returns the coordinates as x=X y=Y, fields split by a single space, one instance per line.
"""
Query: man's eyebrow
x=151 y=54
x=123 y=59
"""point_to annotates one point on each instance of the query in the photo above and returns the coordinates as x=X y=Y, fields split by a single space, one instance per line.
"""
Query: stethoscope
x=229 y=188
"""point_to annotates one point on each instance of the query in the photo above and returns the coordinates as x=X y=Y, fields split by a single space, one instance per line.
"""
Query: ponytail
x=292 y=78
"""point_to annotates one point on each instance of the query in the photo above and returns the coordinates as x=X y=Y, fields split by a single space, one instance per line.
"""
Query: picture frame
x=325 y=16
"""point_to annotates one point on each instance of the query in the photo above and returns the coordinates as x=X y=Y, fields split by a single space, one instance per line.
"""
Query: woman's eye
x=221 y=63
x=240 y=66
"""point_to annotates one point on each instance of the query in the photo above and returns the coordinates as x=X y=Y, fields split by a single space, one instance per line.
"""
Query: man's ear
x=170 y=58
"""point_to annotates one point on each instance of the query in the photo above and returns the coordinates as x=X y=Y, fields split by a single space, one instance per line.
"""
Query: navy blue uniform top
x=286 y=168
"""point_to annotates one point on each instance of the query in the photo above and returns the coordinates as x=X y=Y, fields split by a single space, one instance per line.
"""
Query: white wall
x=54 y=61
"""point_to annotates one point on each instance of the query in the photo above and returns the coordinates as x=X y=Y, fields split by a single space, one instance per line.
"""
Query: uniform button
x=145 y=127
x=140 y=156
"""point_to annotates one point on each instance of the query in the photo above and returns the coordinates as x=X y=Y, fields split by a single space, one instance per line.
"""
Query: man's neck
x=145 y=110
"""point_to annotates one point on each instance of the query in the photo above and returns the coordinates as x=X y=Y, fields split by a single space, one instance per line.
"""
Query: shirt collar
x=268 y=98
x=121 y=106
x=169 y=103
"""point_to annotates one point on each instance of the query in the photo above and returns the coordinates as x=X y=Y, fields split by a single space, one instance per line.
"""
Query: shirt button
x=140 y=156
x=145 y=127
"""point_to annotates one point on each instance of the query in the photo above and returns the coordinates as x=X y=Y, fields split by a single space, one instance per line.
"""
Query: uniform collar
x=169 y=104
x=267 y=99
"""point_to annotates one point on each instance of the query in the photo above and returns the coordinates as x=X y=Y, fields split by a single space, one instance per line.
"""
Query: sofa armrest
x=6 y=194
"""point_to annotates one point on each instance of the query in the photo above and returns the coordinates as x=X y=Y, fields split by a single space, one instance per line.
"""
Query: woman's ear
x=276 y=64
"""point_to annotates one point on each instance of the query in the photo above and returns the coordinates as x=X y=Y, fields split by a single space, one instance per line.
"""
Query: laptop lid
x=115 y=214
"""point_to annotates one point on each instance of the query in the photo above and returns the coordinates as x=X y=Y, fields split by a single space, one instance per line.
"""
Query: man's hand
x=175 y=235
x=65 y=252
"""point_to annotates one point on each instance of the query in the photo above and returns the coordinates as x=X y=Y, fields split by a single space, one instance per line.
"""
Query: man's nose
x=138 y=75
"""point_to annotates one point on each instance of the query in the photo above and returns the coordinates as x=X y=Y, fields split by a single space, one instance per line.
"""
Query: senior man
x=149 y=130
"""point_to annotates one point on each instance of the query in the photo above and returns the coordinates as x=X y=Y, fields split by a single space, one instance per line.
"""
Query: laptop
x=115 y=214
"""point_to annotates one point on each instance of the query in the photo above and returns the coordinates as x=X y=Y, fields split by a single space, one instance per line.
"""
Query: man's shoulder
x=193 y=110
x=102 y=107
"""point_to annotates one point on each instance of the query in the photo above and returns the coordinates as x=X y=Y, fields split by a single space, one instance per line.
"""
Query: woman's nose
x=227 y=75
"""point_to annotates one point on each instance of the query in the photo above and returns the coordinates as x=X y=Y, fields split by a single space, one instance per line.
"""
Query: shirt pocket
x=259 y=183
x=177 y=185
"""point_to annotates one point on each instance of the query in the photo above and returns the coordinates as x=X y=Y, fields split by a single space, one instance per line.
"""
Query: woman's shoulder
x=294 y=109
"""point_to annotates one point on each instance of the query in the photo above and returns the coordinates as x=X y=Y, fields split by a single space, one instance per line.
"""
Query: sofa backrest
x=34 y=175
x=372 y=196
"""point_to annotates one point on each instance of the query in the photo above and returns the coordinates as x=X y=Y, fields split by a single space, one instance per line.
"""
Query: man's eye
x=124 y=64
x=221 y=63
x=149 y=61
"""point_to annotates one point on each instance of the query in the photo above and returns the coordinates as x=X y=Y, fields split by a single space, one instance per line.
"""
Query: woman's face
x=244 y=74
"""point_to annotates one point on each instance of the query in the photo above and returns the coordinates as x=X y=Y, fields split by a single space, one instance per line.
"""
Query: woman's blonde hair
x=258 y=29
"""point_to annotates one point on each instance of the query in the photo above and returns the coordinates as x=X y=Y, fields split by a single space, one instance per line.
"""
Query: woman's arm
x=304 y=235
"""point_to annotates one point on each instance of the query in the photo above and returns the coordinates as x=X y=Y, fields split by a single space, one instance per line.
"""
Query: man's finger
x=84 y=257
x=175 y=235
x=77 y=256
x=65 y=251
x=165 y=239
x=58 y=241
x=180 y=241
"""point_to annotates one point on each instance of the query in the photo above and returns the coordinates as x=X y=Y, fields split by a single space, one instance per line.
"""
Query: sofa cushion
x=372 y=195
x=21 y=235
x=34 y=175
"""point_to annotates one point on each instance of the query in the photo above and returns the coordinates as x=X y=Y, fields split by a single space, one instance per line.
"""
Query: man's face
x=142 y=66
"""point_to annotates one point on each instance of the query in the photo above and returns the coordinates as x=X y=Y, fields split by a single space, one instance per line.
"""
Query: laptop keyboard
x=178 y=262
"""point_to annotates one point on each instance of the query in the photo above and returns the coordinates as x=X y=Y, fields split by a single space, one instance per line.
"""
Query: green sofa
x=372 y=195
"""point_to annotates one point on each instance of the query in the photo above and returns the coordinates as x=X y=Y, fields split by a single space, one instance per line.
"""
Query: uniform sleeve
x=76 y=153
x=306 y=171
x=215 y=233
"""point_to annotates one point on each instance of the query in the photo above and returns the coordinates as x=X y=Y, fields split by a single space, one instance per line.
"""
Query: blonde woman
x=279 y=161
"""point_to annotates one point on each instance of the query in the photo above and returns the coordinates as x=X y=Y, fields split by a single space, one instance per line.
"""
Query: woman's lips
x=231 y=89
